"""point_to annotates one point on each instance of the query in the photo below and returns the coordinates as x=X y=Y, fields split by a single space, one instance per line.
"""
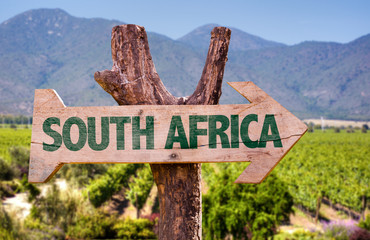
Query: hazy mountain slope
x=51 y=49
x=240 y=41
x=48 y=48
x=327 y=79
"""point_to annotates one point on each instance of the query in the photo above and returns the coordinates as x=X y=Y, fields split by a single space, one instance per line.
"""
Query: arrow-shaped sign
x=261 y=133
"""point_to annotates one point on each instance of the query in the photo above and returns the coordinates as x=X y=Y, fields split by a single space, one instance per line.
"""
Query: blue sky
x=286 y=21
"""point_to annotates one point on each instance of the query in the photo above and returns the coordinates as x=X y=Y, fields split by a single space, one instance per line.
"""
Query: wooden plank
x=261 y=133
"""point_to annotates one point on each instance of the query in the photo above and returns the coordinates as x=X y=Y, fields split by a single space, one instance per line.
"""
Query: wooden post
x=133 y=80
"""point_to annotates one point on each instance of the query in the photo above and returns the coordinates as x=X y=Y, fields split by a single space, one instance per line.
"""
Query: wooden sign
x=261 y=133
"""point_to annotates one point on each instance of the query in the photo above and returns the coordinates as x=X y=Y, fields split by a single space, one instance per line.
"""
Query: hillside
x=48 y=48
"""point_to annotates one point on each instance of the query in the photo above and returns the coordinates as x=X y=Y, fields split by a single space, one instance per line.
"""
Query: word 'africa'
x=216 y=125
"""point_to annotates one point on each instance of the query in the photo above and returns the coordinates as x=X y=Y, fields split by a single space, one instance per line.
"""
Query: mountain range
x=48 y=48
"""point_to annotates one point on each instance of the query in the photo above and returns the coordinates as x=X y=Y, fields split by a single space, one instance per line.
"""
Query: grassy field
x=13 y=137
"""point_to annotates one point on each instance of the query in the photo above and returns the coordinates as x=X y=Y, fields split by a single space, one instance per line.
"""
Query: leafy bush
x=82 y=174
x=36 y=229
x=53 y=210
x=33 y=191
x=20 y=157
x=101 y=225
x=6 y=224
x=96 y=225
x=5 y=190
x=135 y=229
x=243 y=210
x=9 y=228
x=365 y=224
x=6 y=171
x=116 y=177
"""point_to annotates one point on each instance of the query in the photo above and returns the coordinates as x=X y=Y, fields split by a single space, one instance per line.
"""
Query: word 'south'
x=217 y=125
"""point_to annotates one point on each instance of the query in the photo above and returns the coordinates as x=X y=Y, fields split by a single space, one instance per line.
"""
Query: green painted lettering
x=46 y=127
x=91 y=132
x=275 y=136
x=137 y=132
x=194 y=131
x=235 y=131
x=120 y=130
x=67 y=134
x=214 y=131
x=176 y=123
x=244 y=131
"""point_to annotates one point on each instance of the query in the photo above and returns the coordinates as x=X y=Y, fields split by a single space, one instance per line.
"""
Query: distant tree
x=139 y=188
x=310 y=127
x=116 y=177
x=364 y=128
x=350 y=129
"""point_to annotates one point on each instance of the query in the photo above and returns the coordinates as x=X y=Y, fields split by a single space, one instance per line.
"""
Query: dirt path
x=19 y=205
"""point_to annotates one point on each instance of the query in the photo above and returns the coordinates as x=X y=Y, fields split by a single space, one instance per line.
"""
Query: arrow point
x=40 y=171
x=256 y=172
x=250 y=91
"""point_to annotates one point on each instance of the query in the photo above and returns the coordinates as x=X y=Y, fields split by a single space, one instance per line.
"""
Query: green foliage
x=103 y=225
x=364 y=128
x=6 y=171
x=36 y=229
x=20 y=157
x=10 y=138
x=10 y=228
x=6 y=224
x=139 y=188
x=92 y=226
x=53 y=210
x=331 y=165
x=5 y=190
x=135 y=229
x=365 y=224
x=82 y=174
x=33 y=191
x=242 y=210
x=117 y=176
x=14 y=119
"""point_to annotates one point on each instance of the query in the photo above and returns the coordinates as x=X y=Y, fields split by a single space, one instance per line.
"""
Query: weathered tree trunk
x=133 y=80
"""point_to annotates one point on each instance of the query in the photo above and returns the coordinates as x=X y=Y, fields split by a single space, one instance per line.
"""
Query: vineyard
x=328 y=167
